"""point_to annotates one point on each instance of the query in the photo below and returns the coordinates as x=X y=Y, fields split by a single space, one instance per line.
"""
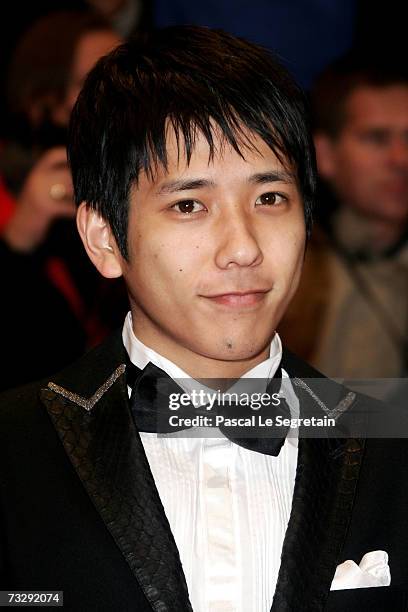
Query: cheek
x=288 y=266
x=166 y=267
x=286 y=251
x=357 y=162
x=360 y=178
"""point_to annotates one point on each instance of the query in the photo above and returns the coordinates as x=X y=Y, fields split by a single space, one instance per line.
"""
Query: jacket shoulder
x=18 y=403
x=83 y=377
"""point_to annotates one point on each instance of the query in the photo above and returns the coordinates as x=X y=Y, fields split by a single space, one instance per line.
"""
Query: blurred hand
x=46 y=195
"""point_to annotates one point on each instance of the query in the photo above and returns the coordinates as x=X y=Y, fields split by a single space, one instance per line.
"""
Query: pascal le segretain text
x=255 y=420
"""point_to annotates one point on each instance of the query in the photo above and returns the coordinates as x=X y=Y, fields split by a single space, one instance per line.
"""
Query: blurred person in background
x=38 y=241
x=356 y=270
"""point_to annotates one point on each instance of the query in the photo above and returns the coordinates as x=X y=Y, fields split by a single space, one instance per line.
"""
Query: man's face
x=367 y=163
x=215 y=250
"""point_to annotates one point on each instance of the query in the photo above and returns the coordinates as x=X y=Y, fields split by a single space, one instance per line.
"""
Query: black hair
x=333 y=87
x=196 y=80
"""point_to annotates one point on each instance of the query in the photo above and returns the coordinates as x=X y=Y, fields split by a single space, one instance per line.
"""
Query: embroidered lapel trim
x=88 y=404
x=105 y=449
x=333 y=413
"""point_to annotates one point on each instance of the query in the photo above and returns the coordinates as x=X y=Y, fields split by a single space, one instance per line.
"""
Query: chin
x=232 y=349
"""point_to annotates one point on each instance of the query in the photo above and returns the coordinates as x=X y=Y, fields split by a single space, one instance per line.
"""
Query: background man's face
x=216 y=249
x=367 y=163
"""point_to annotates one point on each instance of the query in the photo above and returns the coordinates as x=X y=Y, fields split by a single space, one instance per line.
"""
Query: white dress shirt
x=228 y=507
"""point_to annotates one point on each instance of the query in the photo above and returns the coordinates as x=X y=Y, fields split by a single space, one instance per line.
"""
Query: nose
x=238 y=244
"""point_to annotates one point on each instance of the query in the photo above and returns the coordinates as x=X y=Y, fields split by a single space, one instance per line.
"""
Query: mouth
x=239 y=299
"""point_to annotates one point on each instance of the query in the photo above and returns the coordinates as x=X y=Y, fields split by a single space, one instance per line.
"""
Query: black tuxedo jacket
x=79 y=510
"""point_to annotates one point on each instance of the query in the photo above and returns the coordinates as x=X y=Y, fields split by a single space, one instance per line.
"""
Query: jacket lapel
x=321 y=510
x=88 y=405
x=326 y=479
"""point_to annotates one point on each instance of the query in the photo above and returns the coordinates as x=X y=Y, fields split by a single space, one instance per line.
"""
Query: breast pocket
x=379 y=599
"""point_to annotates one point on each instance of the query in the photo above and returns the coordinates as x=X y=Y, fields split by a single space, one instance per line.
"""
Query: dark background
x=307 y=34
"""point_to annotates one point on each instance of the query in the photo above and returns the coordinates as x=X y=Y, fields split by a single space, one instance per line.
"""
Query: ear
x=325 y=155
x=99 y=242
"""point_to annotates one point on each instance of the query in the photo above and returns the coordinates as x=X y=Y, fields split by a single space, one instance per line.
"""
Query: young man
x=193 y=168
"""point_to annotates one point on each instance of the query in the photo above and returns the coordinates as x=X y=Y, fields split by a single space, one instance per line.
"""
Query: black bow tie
x=149 y=402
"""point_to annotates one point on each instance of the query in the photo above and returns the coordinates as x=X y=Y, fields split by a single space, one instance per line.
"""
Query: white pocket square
x=373 y=571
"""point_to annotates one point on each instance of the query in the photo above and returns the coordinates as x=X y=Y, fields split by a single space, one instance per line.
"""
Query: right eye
x=188 y=207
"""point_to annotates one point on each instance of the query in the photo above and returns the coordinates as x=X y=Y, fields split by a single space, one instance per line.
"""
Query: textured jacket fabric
x=79 y=510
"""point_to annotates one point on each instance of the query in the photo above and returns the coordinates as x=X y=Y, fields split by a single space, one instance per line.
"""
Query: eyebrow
x=184 y=185
x=260 y=178
x=272 y=177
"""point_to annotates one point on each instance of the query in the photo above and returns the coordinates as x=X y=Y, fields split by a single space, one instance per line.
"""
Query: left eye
x=270 y=198
x=188 y=207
